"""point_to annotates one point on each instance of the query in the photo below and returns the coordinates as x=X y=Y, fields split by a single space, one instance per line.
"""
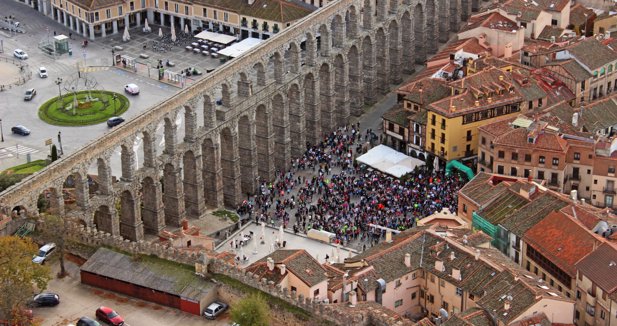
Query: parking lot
x=77 y=300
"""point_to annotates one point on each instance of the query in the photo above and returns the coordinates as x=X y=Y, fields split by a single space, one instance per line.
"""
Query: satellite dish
x=443 y=313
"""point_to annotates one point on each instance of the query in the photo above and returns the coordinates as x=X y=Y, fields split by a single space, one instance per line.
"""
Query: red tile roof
x=601 y=267
x=561 y=240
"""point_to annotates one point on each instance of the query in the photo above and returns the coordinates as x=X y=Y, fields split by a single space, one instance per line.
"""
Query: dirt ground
x=9 y=73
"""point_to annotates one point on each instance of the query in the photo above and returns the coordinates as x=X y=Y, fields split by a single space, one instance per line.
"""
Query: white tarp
x=237 y=49
x=216 y=37
x=387 y=160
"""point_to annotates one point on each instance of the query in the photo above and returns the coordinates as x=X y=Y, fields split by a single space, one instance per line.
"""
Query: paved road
x=13 y=110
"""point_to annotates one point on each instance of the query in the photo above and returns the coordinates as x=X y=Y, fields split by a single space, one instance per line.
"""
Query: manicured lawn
x=228 y=214
x=61 y=113
x=27 y=168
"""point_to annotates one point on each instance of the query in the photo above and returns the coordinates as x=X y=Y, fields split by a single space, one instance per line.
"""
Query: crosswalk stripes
x=16 y=150
x=93 y=69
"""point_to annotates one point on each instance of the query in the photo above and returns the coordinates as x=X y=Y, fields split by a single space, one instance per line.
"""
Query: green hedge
x=27 y=168
x=55 y=114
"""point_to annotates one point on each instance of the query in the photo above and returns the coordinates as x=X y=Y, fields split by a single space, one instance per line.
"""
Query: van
x=44 y=252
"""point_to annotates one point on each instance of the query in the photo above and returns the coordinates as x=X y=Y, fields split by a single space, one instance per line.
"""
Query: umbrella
x=173 y=33
x=186 y=29
x=263 y=232
x=281 y=234
x=146 y=27
x=126 y=36
x=160 y=32
x=271 y=247
x=241 y=254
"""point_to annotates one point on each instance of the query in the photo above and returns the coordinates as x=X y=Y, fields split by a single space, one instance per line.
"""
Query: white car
x=131 y=89
x=42 y=72
x=20 y=54
x=44 y=252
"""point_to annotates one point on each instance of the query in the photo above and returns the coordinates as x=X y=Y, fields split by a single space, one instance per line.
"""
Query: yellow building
x=478 y=99
x=252 y=18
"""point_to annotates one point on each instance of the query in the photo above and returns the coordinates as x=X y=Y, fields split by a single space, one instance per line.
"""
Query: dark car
x=29 y=94
x=20 y=130
x=114 y=121
x=109 y=316
x=214 y=309
x=45 y=299
x=87 y=321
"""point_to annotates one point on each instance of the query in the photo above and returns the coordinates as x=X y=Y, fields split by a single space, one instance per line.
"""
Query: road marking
x=20 y=149
x=5 y=154
x=93 y=69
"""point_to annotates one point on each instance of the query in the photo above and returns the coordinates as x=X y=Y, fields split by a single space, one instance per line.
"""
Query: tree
x=54 y=153
x=252 y=310
x=7 y=180
x=54 y=230
x=19 y=277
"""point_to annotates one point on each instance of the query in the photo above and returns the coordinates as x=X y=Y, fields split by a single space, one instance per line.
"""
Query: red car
x=109 y=316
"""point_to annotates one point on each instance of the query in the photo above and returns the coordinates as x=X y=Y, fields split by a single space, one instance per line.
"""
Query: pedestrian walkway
x=16 y=150
x=93 y=69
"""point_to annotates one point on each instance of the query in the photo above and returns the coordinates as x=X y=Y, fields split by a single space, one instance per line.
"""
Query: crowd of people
x=326 y=190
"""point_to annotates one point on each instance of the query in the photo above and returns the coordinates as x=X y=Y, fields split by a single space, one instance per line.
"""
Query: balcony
x=553 y=183
x=573 y=177
x=469 y=154
x=609 y=190
x=591 y=298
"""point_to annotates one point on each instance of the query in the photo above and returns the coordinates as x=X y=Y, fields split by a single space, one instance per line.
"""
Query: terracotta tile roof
x=549 y=32
x=398 y=115
x=497 y=128
x=561 y=240
x=469 y=45
x=573 y=68
x=531 y=214
x=548 y=5
x=596 y=116
x=584 y=215
x=592 y=53
x=492 y=20
x=97 y=4
x=425 y=90
x=538 y=319
x=480 y=189
x=299 y=262
x=600 y=267
x=545 y=140
x=283 y=11
x=502 y=207
x=577 y=14
x=470 y=317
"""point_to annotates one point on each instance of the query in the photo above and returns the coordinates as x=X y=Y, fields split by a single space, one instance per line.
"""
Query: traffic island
x=83 y=108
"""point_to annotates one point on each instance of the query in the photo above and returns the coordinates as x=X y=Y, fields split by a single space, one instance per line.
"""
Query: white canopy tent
x=387 y=160
x=216 y=37
x=237 y=49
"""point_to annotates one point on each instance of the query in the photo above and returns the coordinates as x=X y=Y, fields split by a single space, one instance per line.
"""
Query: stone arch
x=407 y=38
x=355 y=81
x=326 y=98
x=292 y=58
x=75 y=190
x=455 y=14
x=368 y=69
x=296 y=121
x=170 y=133
x=260 y=74
x=264 y=141
x=431 y=30
x=225 y=95
x=51 y=200
x=395 y=52
x=103 y=220
x=280 y=125
x=278 y=67
x=248 y=153
x=212 y=173
x=230 y=167
x=189 y=134
x=209 y=112
x=341 y=100
x=151 y=205
x=419 y=34
x=368 y=15
x=351 y=22
x=338 y=31
x=382 y=60
x=310 y=49
x=192 y=185
x=443 y=29
x=381 y=10
x=131 y=227
x=324 y=42
x=244 y=85
x=393 y=6
x=104 y=176
x=311 y=113
x=173 y=195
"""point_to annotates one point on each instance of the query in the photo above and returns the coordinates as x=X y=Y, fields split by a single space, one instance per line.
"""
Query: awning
x=237 y=49
x=216 y=37
x=387 y=160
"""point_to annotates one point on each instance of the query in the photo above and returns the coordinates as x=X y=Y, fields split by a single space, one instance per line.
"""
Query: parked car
x=214 y=309
x=30 y=92
x=20 y=54
x=109 y=316
x=87 y=321
x=20 y=130
x=42 y=72
x=131 y=89
x=45 y=299
x=114 y=121
x=44 y=252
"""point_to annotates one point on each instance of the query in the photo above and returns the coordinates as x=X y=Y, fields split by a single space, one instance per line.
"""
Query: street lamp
x=60 y=142
x=113 y=57
x=1 y=133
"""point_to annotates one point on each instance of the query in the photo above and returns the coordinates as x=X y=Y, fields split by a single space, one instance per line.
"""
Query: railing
x=609 y=190
x=553 y=183
x=573 y=177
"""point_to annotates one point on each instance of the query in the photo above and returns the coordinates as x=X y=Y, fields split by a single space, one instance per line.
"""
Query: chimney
x=506 y=305
x=408 y=260
x=388 y=236
x=270 y=264
x=185 y=224
x=456 y=274
x=439 y=266
x=283 y=269
x=490 y=100
x=477 y=103
x=353 y=299
x=452 y=255
x=477 y=255
x=574 y=195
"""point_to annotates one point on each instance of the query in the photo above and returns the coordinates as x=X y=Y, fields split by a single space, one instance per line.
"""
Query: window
x=459 y=292
x=156 y=3
x=591 y=310
x=526 y=173
x=527 y=157
x=413 y=276
x=176 y=7
x=216 y=15
x=513 y=171
x=602 y=71
x=186 y=10
x=552 y=282
x=132 y=5
x=143 y=4
x=119 y=10
x=514 y=156
x=96 y=16
x=442 y=283
x=501 y=154
x=204 y=12
x=577 y=315
x=443 y=123
x=398 y=303
x=535 y=270
x=166 y=5
x=397 y=283
x=602 y=314
x=554 y=22
x=610 y=68
x=578 y=295
x=442 y=139
x=444 y=305
x=225 y=16
x=108 y=13
x=500 y=169
x=433 y=120
x=465 y=211
x=413 y=296
x=541 y=159
x=540 y=175
x=555 y=161
x=469 y=135
x=293 y=288
x=421 y=294
x=432 y=278
x=483 y=141
x=577 y=156
x=316 y=293
x=611 y=169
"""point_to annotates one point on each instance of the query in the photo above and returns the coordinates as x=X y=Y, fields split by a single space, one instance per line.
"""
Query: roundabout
x=83 y=108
